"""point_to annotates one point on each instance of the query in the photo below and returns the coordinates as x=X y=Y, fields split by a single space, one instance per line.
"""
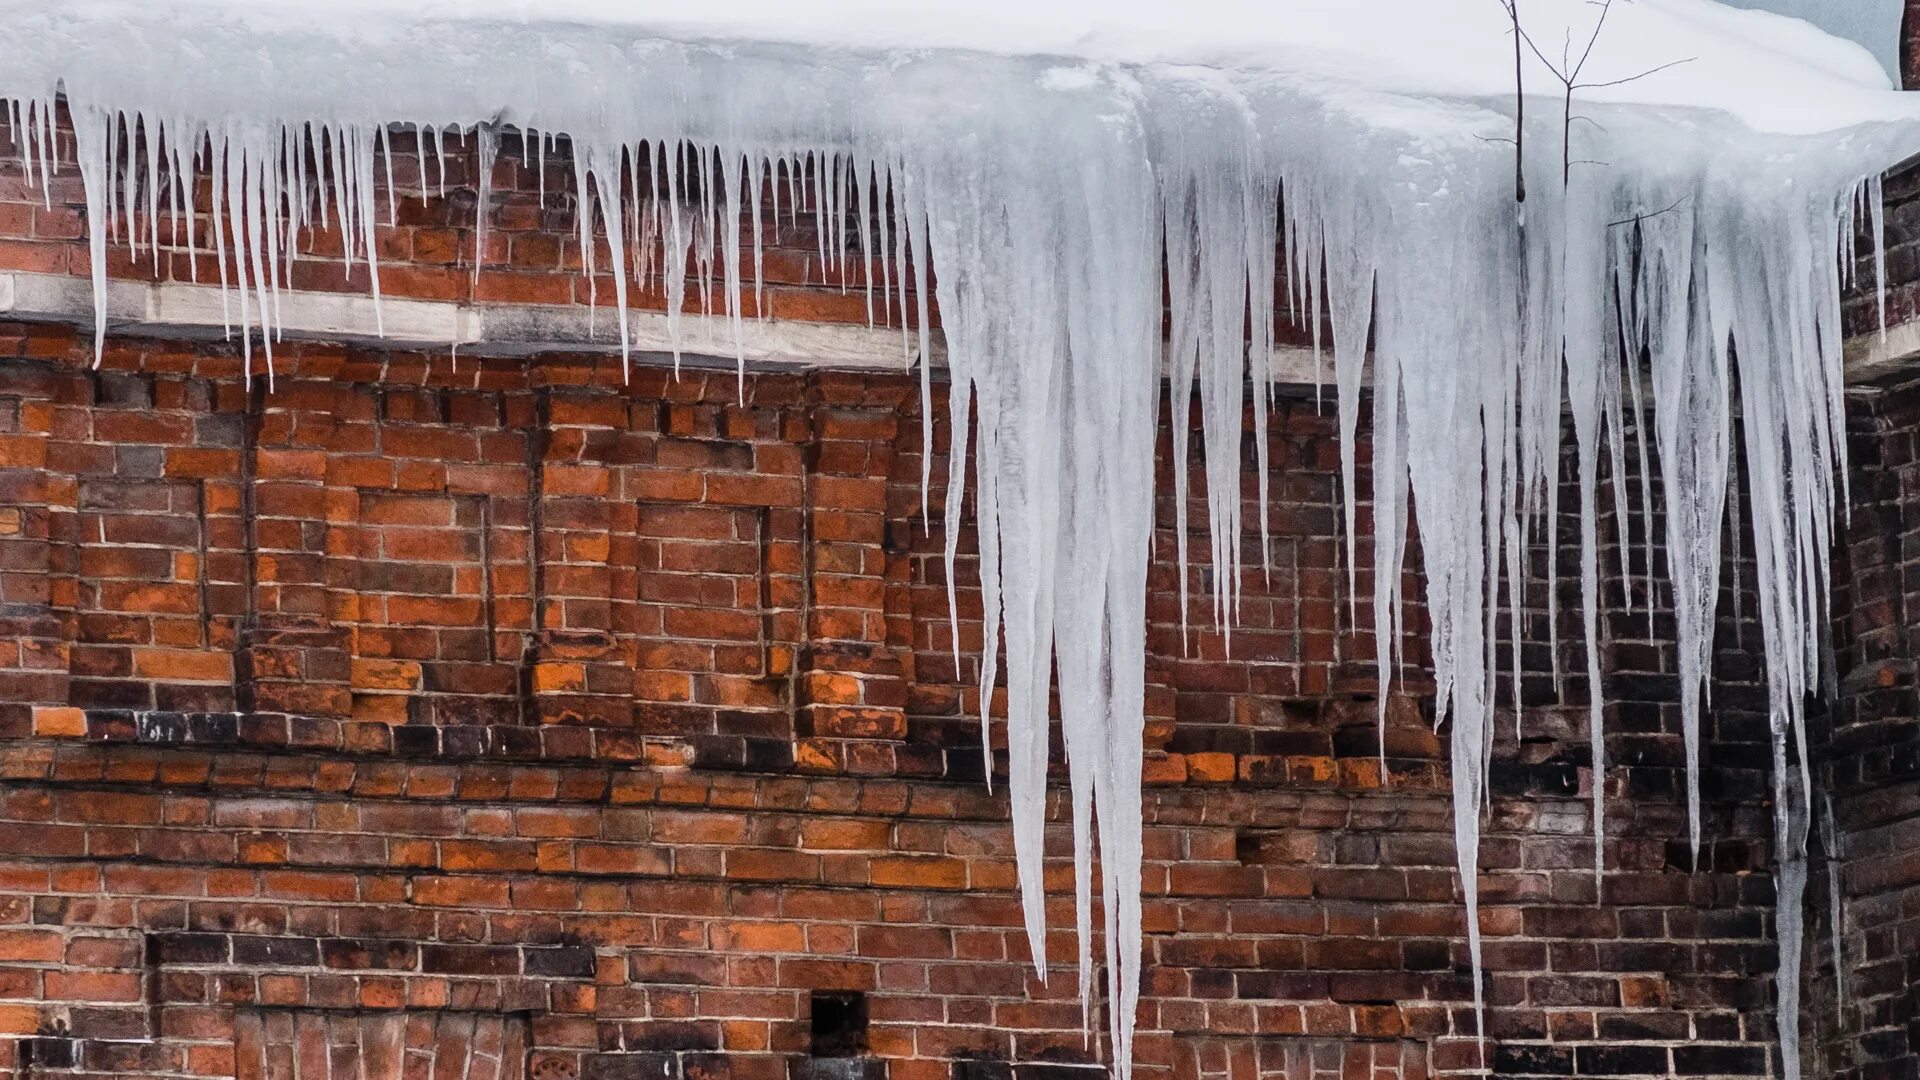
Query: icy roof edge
x=465 y=61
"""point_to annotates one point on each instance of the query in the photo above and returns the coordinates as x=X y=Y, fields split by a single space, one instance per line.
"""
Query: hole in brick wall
x=122 y=390
x=1246 y=846
x=839 y=1023
x=46 y=1053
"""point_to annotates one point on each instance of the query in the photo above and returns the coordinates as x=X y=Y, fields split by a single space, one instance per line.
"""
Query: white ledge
x=1875 y=355
x=198 y=312
x=206 y=311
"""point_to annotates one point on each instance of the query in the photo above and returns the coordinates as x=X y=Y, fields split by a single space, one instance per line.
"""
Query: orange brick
x=920 y=872
x=23 y=452
x=576 y=480
x=59 y=722
x=18 y=1019
x=845 y=834
x=1210 y=768
x=551 y=677
x=32 y=946
x=179 y=666
x=386 y=674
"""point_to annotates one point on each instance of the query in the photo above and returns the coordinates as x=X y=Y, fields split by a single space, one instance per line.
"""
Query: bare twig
x=1568 y=72
x=1637 y=218
x=1635 y=78
x=1519 y=105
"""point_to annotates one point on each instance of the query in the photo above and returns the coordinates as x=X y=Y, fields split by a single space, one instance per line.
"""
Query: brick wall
x=629 y=709
x=1870 y=757
x=465 y=707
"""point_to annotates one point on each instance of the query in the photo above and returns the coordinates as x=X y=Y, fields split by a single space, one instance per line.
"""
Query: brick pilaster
x=291 y=655
x=576 y=673
x=37 y=497
x=851 y=705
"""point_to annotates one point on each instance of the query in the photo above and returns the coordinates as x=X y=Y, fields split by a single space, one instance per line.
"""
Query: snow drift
x=1495 y=250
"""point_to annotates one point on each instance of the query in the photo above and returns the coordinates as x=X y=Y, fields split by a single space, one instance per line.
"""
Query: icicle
x=1590 y=355
x=272 y=189
x=253 y=197
x=1836 y=911
x=862 y=215
x=110 y=176
x=489 y=148
x=96 y=171
x=675 y=263
x=883 y=248
x=50 y=153
x=729 y=176
x=385 y=138
x=1790 y=886
x=707 y=241
x=152 y=169
x=216 y=167
x=440 y=157
x=914 y=231
x=1877 y=207
x=343 y=206
x=1693 y=430
x=362 y=187
x=757 y=181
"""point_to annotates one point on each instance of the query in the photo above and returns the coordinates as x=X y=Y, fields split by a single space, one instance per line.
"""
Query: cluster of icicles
x=1666 y=283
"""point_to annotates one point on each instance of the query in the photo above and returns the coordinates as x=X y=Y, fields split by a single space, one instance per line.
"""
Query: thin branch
x=1519 y=105
x=1635 y=219
x=1605 y=7
x=1568 y=72
x=1642 y=75
x=1528 y=38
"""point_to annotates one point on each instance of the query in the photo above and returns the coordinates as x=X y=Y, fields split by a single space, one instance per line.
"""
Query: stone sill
x=196 y=312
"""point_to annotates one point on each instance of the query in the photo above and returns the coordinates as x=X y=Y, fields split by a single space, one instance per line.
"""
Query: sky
x=1873 y=23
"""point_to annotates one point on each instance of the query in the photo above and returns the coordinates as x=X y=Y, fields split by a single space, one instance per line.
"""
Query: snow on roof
x=462 y=60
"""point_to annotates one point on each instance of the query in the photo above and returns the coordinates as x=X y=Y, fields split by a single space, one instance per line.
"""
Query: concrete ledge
x=198 y=312
x=1873 y=357
x=202 y=312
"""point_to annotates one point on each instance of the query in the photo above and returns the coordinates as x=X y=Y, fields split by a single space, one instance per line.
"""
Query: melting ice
x=1680 y=249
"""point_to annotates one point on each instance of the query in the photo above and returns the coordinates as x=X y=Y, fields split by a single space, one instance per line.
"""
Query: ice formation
x=1692 y=218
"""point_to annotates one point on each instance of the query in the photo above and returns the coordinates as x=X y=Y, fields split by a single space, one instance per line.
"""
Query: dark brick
x=566 y=961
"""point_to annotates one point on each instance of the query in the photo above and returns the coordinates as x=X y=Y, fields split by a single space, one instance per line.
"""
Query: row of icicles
x=670 y=229
x=671 y=214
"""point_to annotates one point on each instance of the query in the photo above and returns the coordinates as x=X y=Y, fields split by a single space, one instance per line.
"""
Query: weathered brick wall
x=509 y=700
x=629 y=708
x=1870 y=756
